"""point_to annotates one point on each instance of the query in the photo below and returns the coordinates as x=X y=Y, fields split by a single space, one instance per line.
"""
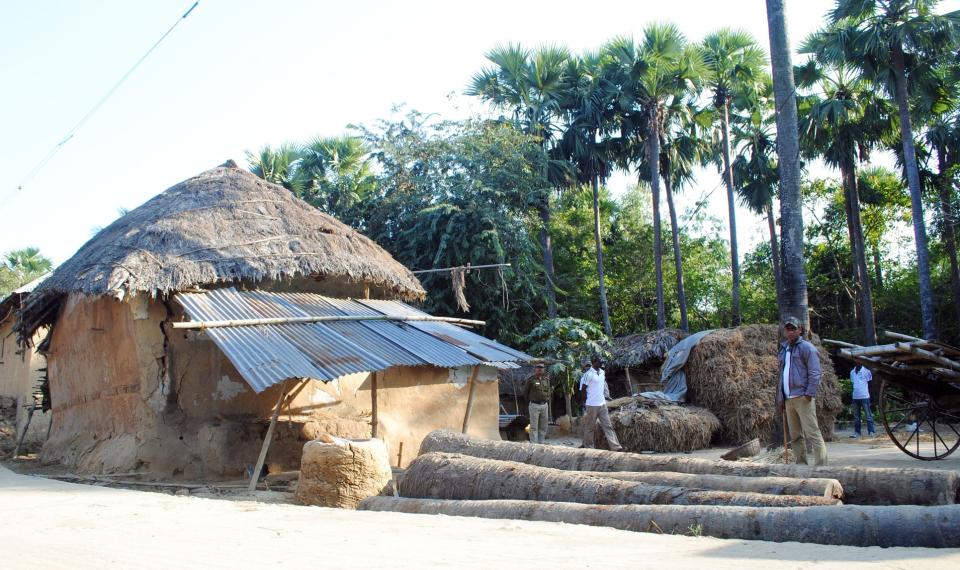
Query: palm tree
x=756 y=169
x=278 y=165
x=26 y=264
x=943 y=137
x=794 y=276
x=587 y=108
x=734 y=62
x=529 y=85
x=661 y=69
x=885 y=38
x=336 y=172
x=842 y=121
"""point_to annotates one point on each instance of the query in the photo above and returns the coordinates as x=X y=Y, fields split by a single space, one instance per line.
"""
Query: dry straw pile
x=651 y=425
x=733 y=373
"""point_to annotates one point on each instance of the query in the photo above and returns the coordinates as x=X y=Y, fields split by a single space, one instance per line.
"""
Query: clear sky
x=237 y=74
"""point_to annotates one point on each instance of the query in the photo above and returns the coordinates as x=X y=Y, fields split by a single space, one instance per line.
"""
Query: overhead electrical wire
x=72 y=132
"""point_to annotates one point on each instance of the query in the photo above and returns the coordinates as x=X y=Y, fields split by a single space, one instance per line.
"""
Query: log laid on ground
x=337 y=472
x=454 y=476
x=829 y=488
x=931 y=527
x=861 y=485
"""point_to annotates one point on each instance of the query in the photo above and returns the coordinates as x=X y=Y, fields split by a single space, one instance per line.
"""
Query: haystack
x=643 y=425
x=733 y=373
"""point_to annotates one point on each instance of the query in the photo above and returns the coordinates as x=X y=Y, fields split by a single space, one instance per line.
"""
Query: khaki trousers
x=804 y=432
x=595 y=414
x=538 y=422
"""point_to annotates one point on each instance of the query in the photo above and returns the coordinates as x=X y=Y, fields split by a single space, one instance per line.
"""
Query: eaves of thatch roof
x=643 y=349
x=220 y=227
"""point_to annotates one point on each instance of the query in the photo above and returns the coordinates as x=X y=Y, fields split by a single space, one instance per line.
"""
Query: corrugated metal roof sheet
x=267 y=354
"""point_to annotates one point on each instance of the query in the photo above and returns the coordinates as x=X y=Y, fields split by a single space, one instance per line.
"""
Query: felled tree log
x=337 y=472
x=847 y=525
x=829 y=488
x=454 y=476
x=861 y=485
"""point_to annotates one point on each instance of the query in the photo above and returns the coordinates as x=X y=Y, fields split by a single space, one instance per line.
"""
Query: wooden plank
x=374 y=416
x=267 y=439
x=473 y=390
x=300 y=320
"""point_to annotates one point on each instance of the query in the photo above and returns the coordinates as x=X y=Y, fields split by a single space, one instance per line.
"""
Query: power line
x=70 y=134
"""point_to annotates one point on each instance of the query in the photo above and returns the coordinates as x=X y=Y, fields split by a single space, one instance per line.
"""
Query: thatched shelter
x=635 y=360
x=135 y=388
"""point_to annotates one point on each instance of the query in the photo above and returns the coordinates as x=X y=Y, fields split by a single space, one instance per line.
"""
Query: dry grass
x=733 y=373
x=645 y=425
x=644 y=349
x=224 y=225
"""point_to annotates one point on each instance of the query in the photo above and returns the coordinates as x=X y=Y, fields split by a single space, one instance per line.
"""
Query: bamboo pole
x=946 y=362
x=874 y=350
x=300 y=320
x=840 y=343
x=473 y=390
x=267 y=439
x=900 y=336
x=467 y=266
x=374 y=419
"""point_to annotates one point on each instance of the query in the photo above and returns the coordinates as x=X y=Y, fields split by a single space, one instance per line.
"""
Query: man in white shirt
x=593 y=381
x=861 y=377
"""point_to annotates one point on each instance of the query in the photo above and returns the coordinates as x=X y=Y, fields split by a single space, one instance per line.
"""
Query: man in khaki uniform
x=537 y=391
x=797 y=386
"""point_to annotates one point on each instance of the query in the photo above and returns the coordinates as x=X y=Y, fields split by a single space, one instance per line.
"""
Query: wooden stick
x=783 y=416
x=946 y=362
x=267 y=439
x=16 y=450
x=374 y=420
x=874 y=350
x=840 y=343
x=899 y=336
x=467 y=266
x=473 y=389
x=296 y=320
x=400 y=455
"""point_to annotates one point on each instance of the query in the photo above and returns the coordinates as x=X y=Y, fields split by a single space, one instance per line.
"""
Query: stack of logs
x=457 y=475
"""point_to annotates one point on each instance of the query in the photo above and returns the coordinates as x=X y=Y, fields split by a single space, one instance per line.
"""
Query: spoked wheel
x=918 y=423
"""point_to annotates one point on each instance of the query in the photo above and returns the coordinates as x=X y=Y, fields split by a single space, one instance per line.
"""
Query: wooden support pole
x=335 y=318
x=473 y=390
x=374 y=419
x=629 y=381
x=267 y=439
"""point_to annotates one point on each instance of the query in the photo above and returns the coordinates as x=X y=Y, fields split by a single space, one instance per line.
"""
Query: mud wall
x=20 y=374
x=132 y=394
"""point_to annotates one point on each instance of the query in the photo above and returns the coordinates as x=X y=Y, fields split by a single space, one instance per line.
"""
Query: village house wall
x=20 y=374
x=132 y=394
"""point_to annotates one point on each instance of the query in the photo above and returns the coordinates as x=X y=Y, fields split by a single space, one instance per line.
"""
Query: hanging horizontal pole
x=467 y=267
x=327 y=319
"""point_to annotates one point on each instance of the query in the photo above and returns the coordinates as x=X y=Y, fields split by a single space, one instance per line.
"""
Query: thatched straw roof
x=643 y=349
x=222 y=226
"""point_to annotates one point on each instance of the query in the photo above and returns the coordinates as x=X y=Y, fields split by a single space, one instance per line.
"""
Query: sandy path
x=50 y=524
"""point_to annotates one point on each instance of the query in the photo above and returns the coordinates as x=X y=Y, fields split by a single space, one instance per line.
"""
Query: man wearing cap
x=537 y=391
x=594 y=382
x=796 y=393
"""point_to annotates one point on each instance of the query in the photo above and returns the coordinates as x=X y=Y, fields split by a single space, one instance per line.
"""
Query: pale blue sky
x=238 y=74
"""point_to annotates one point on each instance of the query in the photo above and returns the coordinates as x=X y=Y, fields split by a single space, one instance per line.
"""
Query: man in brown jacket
x=797 y=386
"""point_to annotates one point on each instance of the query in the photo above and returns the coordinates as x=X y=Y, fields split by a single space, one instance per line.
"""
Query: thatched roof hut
x=643 y=349
x=222 y=226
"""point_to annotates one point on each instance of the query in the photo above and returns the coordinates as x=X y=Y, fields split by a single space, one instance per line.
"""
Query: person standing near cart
x=861 y=377
x=799 y=379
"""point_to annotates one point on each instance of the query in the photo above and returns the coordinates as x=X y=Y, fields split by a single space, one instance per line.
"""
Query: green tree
x=567 y=342
x=530 y=85
x=337 y=175
x=735 y=62
x=21 y=266
x=279 y=166
x=886 y=39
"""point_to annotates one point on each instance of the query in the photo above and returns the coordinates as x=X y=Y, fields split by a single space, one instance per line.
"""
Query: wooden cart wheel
x=917 y=423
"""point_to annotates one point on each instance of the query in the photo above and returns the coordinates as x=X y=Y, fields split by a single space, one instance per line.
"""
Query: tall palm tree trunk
x=547 y=245
x=775 y=256
x=788 y=150
x=653 y=150
x=949 y=227
x=731 y=204
x=927 y=316
x=852 y=192
x=677 y=260
x=877 y=270
x=604 y=311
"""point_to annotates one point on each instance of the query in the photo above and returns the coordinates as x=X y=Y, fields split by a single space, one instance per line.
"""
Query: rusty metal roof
x=268 y=354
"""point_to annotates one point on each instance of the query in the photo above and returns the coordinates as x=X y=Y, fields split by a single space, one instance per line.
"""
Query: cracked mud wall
x=131 y=394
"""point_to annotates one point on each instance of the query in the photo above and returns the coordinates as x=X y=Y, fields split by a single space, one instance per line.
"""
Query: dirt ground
x=66 y=525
